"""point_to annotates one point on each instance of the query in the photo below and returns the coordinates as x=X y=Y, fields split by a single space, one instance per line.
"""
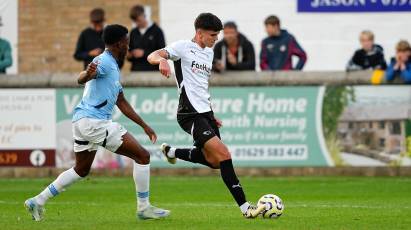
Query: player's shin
x=141 y=175
x=233 y=184
x=64 y=180
x=194 y=155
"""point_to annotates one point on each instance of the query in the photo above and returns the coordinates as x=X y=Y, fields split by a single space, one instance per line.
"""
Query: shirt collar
x=144 y=30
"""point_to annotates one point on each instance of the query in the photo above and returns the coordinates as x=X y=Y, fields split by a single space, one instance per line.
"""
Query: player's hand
x=164 y=68
x=151 y=134
x=218 y=122
x=92 y=69
x=137 y=53
x=95 y=52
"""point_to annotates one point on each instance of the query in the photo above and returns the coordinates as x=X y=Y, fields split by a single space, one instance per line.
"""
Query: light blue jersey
x=100 y=94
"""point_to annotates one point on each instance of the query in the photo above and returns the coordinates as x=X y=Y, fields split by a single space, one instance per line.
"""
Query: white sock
x=244 y=207
x=172 y=153
x=64 y=180
x=141 y=175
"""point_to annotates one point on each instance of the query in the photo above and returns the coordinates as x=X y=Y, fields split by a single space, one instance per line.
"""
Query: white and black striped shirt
x=192 y=66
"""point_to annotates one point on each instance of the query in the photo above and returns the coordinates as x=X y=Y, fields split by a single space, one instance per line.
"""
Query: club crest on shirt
x=270 y=46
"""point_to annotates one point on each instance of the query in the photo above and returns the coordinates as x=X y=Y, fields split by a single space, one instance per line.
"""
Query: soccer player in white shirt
x=193 y=62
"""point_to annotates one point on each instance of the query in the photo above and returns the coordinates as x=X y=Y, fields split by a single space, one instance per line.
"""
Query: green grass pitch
x=204 y=203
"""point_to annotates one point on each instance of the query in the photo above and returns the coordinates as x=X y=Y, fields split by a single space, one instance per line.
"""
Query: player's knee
x=82 y=171
x=215 y=164
x=143 y=158
x=224 y=154
x=221 y=155
x=146 y=158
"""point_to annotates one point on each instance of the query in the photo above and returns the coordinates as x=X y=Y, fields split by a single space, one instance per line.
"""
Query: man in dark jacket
x=90 y=44
x=370 y=56
x=146 y=38
x=234 y=52
x=279 y=47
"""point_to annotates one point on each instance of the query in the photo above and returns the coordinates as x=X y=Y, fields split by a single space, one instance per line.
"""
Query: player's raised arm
x=159 y=57
x=88 y=74
x=129 y=112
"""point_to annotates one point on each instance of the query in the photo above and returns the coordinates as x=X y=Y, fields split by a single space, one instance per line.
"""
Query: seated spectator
x=5 y=55
x=234 y=52
x=146 y=38
x=399 y=69
x=90 y=44
x=279 y=47
x=370 y=56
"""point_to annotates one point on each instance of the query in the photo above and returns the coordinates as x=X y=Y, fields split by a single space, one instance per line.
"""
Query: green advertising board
x=262 y=126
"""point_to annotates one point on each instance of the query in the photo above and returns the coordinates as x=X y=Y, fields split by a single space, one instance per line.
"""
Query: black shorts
x=202 y=126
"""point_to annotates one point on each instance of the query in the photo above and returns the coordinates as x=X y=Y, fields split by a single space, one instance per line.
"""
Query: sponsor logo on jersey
x=204 y=67
x=200 y=68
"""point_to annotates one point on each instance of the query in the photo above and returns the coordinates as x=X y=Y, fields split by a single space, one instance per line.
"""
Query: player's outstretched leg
x=218 y=155
x=35 y=205
x=141 y=174
x=214 y=155
x=194 y=155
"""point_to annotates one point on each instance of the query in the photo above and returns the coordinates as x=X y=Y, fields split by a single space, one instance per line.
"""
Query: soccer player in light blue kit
x=93 y=127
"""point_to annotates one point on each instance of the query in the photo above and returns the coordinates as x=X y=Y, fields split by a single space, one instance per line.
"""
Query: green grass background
x=204 y=203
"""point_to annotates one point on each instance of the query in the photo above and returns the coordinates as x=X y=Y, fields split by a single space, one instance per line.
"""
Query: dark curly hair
x=208 y=21
x=114 y=33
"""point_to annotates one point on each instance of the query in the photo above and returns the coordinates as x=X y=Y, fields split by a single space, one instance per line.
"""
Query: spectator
x=90 y=44
x=279 y=47
x=234 y=52
x=146 y=38
x=370 y=56
x=5 y=55
x=399 y=69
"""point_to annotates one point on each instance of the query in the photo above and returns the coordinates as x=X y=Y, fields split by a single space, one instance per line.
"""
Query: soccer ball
x=274 y=206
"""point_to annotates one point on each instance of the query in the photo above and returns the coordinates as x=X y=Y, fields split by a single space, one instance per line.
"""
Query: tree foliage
x=336 y=98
